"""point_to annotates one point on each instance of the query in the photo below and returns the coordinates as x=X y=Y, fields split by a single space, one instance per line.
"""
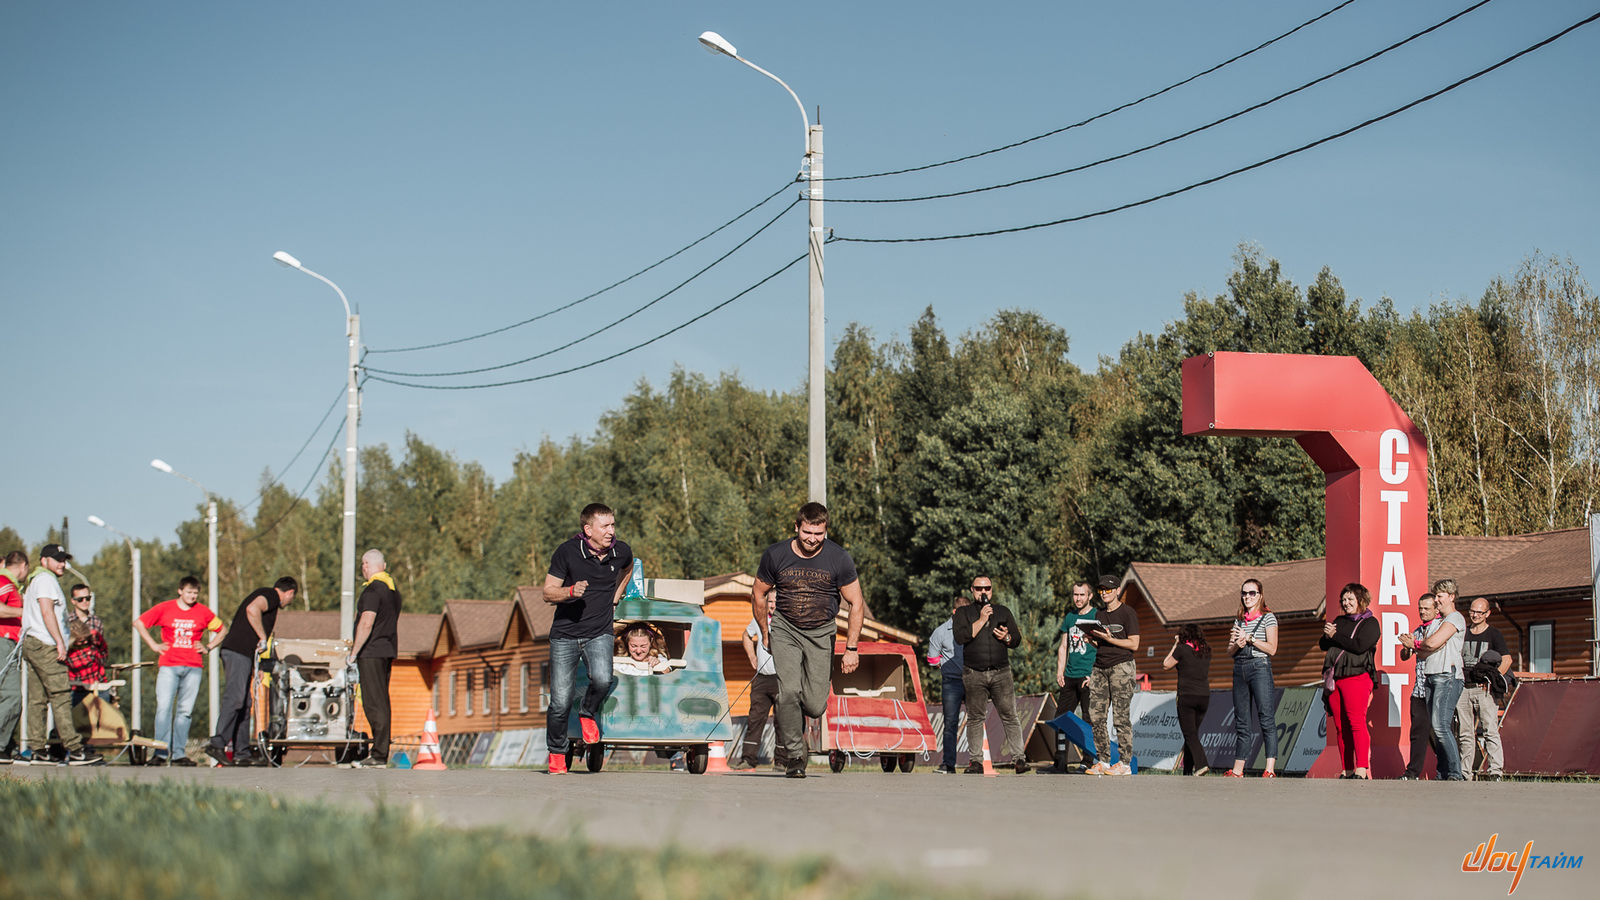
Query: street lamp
x=138 y=607
x=352 y=412
x=211 y=586
x=816 y=444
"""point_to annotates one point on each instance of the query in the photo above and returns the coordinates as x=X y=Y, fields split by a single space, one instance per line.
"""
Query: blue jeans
x=1443 y=692
x=1252 y=681
x=953 y=693
x=176 y=690
x=564 y=655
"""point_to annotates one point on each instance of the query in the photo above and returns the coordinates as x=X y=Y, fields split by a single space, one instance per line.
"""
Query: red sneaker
x=590 y=729
x=558 y=764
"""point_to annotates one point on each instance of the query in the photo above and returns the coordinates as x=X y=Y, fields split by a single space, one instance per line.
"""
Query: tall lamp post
x=211 y=587
x=138 y=607
x=352 y=412
x=816 y=444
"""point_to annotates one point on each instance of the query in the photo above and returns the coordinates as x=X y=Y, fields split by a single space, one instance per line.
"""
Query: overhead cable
x=300 y=496
x=470 y=387
x=578 y=340
x=615 y=284
x=1097 y=116
x=261 y=495
x=1256 y=165
x=1177 y=137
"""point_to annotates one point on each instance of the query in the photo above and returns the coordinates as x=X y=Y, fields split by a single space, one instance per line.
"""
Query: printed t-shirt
x=1080 y=650
x=1106 y=655
x=181 y=630
x=807 y=589
x=11 y=596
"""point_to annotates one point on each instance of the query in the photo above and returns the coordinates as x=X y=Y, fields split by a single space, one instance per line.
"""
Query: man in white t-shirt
x=763 y=695
x=44 y=647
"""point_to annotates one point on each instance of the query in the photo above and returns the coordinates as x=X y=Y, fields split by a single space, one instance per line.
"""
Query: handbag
x=1327 y=675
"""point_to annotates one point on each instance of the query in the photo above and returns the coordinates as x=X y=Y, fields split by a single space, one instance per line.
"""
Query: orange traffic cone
x=717 y=759
x=428 y=753
x=988 y=764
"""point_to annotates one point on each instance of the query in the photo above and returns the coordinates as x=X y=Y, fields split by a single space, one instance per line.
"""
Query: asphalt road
x=1145 y=836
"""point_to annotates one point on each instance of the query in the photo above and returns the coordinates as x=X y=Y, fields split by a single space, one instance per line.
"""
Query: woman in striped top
x=1253 y=641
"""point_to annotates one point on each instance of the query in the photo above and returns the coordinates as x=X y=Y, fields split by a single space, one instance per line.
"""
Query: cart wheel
x=594 y=757
x=135 y=755
x=908 y=762
x=696 y=758
x=886 y=761
x=569 y=756
x=836 y=761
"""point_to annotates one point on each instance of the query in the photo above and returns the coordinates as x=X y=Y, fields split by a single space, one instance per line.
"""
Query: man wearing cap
x=44 y=646
x=244 y=643
x=987 y=633
x=1112 y=682
x=183 y=622
x=1484 y=654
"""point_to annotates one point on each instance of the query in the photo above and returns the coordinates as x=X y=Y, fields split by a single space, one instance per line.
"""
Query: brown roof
x=539 y=614
x=478 y=623
x=1546 y=562
x=416 y=631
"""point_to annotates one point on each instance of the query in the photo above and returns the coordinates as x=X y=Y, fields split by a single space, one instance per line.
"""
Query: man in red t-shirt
x=182 y=622
x=12 y=575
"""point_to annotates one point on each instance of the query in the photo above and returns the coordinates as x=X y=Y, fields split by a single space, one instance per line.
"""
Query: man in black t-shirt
x=586 y=579
x=809 y=576
x=1112 y=683
x=373 y=650
x=1484 y=655
x=987 y=633
x=244 y=643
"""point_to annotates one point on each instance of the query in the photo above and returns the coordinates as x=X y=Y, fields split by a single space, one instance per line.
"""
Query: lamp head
x=286 y=259
x=716 y=43
x=158 y=464
x=97 y=521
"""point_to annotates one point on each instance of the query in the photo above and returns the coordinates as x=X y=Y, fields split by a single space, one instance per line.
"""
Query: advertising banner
x=1157 y=739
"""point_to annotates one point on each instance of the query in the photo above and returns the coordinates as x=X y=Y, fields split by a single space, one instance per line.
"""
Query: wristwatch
x=849 y=649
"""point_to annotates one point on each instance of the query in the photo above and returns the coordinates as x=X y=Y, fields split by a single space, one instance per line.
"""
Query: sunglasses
x=1249 y=593
x=986 y=588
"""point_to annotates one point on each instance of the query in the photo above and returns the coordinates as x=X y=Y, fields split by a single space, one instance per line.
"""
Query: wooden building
x=1538 y=586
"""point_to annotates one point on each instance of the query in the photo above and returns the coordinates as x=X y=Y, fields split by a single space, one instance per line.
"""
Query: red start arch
x=1376 y=498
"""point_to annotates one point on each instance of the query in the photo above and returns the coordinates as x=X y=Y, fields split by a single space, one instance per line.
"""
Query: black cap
x=1110 y=582
x=55 y=552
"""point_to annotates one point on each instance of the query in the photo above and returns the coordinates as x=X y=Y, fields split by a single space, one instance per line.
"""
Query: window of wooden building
x=450 y=690
x=505 y=688
x=522 y=695
x=466 y=700
x=1541 y=646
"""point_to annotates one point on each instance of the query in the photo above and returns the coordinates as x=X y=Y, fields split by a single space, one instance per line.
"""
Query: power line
x=608 y=287
x=288 y=465
x=470 y=387
x=300 y=496
x=1177 y=137
x=1256 y=165
x=675 y=288
x=1097 y=116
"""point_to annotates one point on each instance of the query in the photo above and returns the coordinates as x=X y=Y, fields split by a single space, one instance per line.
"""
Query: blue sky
x=459 y=167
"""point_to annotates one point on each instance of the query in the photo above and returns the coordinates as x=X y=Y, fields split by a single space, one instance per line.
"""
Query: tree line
x=990 y=451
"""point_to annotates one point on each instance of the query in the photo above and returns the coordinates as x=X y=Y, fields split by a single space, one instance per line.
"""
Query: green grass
x=71 y=838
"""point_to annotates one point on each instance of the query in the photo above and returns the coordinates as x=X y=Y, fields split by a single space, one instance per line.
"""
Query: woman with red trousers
x=1349 y=641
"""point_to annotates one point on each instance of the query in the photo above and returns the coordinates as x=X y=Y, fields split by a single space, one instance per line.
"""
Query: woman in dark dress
x=1191 y=656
